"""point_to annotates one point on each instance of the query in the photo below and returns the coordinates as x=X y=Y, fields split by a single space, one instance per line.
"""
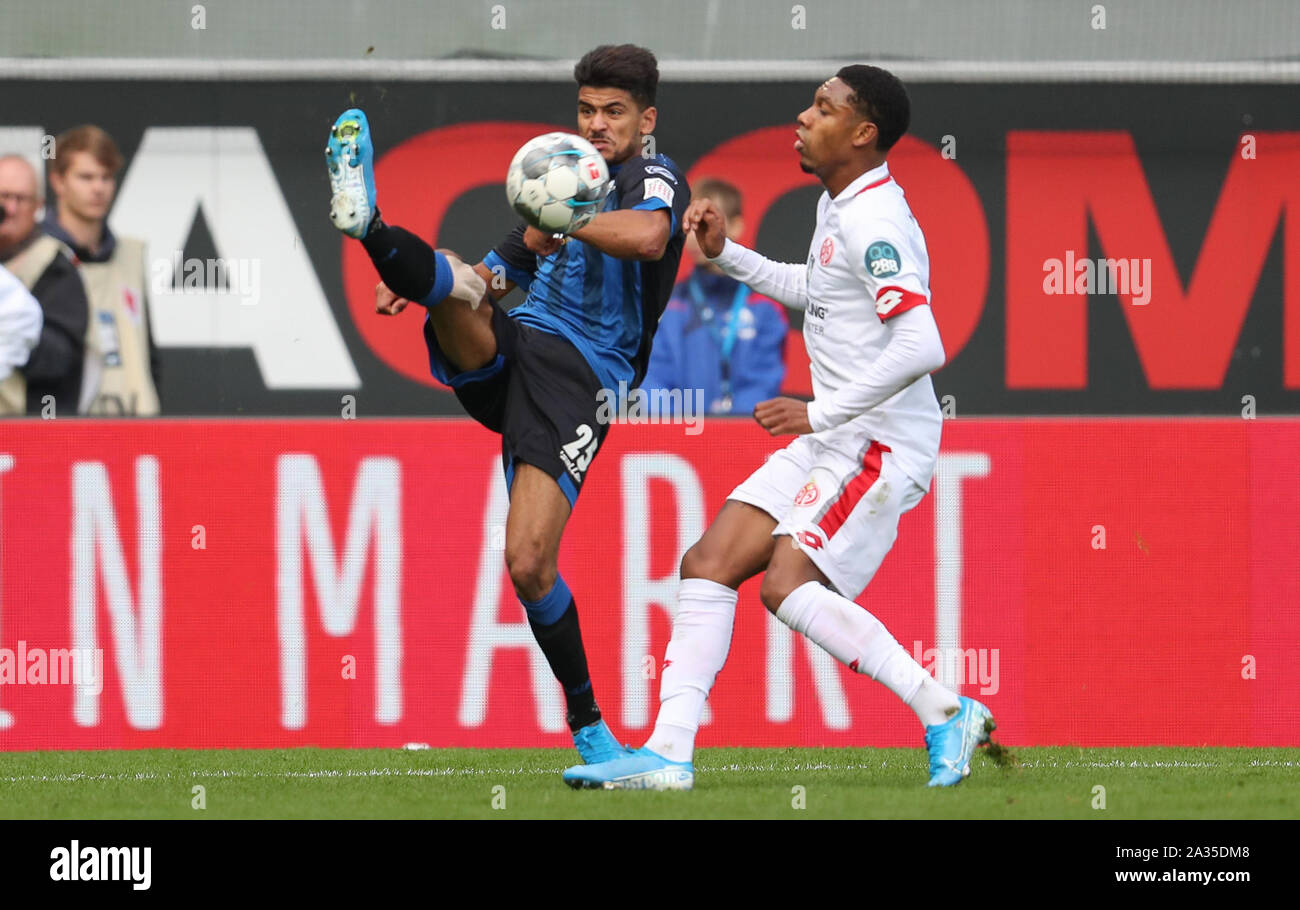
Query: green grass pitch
x=729 y=783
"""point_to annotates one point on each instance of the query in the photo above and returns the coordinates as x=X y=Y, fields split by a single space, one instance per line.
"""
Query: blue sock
x=443 y=280
x=548 y=610
x=554 y=621
x=409 y=266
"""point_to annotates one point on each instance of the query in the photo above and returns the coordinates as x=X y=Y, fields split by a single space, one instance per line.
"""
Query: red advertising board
x=341 y=583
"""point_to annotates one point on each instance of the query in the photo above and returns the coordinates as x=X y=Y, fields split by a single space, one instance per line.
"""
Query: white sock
x=706 y=612
x=861 y=642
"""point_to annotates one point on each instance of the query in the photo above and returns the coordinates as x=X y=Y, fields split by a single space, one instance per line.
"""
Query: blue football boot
x=952 y=743
x=596 y=743
x=350 y=159
x=639 y=770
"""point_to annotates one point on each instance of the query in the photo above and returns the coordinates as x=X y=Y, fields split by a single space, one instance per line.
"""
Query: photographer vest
x=116 y=381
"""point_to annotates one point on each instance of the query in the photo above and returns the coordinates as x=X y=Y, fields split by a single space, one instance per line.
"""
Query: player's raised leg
x=410 y=267
x=538 y=512
x=735 y=547
x=349 y=156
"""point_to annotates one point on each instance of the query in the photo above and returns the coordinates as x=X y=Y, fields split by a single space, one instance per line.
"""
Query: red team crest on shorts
x=807 y=495
x=828 y=250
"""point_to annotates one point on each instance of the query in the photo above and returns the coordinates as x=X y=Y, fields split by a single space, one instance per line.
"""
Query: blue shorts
x=540 y=394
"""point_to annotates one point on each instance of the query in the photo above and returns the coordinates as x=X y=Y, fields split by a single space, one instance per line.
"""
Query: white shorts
x=840 y=509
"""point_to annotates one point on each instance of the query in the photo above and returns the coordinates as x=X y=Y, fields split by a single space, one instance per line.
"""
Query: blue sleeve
x=648 y=184
x=511 y=256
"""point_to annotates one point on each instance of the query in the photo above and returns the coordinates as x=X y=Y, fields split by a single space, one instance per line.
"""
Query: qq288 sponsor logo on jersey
x=882 y=259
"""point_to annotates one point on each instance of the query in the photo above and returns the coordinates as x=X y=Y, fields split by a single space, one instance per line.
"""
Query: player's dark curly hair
x=626 y=66
x=880 y=98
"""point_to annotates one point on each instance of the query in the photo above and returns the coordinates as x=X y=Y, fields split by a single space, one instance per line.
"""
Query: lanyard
x=728 y=341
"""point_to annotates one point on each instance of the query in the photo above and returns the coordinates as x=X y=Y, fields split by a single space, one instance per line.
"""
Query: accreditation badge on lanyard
x=109 y=345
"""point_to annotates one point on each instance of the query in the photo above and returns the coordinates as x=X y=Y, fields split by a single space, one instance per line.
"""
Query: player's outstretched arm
x=629 y=233
x=782 y=281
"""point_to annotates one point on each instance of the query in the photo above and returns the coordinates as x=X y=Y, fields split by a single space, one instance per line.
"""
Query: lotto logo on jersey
x=807 y=495
x=888 y=299
x=894 y=300
x=882 y=259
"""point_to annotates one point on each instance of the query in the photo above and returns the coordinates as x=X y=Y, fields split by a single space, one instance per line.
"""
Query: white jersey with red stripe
x=867 y=264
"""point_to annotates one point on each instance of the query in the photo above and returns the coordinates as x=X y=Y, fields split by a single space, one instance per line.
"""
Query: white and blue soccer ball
x=557 y=182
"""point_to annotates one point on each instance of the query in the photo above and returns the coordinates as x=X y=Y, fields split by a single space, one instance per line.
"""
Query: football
x=557 y=182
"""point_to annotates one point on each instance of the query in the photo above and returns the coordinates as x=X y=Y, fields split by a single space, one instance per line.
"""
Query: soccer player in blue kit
x=534 y=374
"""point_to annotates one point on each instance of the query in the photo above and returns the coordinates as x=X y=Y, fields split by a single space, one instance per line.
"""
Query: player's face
x=826 y=128
x=86 y=188
x=20 y=199
x=610 y=120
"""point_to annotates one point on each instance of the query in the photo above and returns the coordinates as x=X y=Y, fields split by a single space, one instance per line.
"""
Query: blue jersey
x=608 y=308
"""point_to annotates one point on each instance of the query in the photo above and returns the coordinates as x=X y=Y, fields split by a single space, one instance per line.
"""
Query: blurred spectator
x=121 y=371
x=40 y=263
x=20 y=329
x=715 y=333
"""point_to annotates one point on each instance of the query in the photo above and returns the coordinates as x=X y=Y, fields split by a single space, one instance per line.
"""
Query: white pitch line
x=330 y=773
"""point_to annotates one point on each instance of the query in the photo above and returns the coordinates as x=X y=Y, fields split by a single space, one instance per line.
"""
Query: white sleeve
x=914 y=349
x=786 y=282
x=21 y=321
x=895 y=266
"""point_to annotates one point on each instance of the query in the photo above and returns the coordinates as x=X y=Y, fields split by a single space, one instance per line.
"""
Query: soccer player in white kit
x=818 y=517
